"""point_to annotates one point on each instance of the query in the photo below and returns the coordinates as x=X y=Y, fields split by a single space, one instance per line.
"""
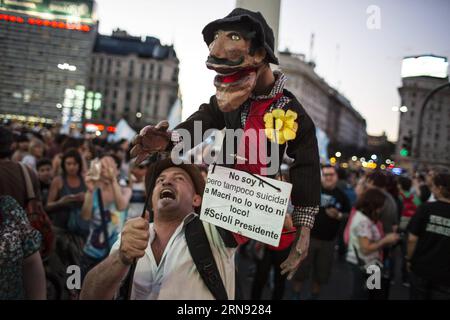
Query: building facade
x=136 y=79
x=45 y=53
x=329 y=110
x=430 y=145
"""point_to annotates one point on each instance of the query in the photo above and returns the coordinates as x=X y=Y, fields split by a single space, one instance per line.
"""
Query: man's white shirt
x=176 y=277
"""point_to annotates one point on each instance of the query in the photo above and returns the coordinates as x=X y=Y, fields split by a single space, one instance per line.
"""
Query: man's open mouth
x=234 y=77
x=167 y=194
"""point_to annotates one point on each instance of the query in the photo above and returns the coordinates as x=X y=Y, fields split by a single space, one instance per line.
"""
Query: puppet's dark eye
x=216 y=36
x=235 y=37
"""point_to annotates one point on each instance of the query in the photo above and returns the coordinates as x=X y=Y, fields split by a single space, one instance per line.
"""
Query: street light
x=338 y=154
x=66 y=66
x=354 y=158
x=403 y=109
x=373 y=157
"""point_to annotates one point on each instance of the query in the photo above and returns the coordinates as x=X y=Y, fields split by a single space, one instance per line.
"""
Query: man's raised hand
x=134 y=239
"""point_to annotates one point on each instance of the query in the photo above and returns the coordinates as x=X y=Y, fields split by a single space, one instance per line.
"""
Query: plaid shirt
x=280 y=80
x=302 y=216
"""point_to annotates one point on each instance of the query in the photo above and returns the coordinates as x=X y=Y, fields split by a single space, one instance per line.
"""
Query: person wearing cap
x=250 y=96
x=165 y=268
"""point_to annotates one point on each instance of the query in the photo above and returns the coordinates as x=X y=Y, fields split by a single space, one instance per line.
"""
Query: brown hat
x=155 y=169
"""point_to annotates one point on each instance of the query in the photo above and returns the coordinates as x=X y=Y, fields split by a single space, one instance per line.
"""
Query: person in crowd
x=56 y=146
x=89 y=152
x=429 y=244
x=23 y=144
x=420 y=188
x=429 y=178
x=410 y=202
x=345 y=185
x=35 y=153
x=22 y=274
x=67 y=192
x=349 y=190
x=166 y=268
x=45 y=176
x=12 y=181
x=105 y=207
x=68 y=143
x=393 y=190
x=389 y=219
x=389 y=214
x=334 y=208
x=367 y=241
x=136 y=182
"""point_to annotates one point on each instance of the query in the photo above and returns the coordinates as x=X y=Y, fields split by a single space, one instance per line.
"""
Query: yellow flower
x=280 y=126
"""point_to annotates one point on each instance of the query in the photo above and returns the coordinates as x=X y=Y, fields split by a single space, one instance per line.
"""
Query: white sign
x=253 y=206
x=429 y=66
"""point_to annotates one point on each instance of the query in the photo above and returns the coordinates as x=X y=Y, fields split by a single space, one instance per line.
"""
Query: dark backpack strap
x=201 y=253
x=358 y=258
x=103 y=219
x=227 y=237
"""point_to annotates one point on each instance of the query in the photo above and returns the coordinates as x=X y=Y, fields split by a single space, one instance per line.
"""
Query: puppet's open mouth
x=233 y=78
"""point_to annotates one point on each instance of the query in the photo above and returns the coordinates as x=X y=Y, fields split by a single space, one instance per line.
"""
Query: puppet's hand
x=298 y=253
x=150 y=139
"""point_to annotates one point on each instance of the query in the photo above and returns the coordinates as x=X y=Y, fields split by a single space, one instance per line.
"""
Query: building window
x=128 y=96
x=143 y=70
x=108 y=66
x=159 y=75
x=100 y=70
x=155 y=112
x=175 y=74
x=131 y=68
x=152 y=67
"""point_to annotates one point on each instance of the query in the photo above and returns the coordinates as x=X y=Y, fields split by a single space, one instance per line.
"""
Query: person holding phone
x=105 y=207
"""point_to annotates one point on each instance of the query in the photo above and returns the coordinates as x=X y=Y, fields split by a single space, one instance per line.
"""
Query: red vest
x=256 y=153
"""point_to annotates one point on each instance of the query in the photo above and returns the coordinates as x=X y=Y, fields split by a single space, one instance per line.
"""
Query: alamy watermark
x=373 y=281
x=73 y=281
x=240 y=147
x=373 y=21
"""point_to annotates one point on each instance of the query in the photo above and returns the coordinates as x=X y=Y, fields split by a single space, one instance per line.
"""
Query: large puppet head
x=240 y=45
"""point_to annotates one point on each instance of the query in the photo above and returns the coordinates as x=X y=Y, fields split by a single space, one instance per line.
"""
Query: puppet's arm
x=208 y=116
x=305 y=178
x=159 y=138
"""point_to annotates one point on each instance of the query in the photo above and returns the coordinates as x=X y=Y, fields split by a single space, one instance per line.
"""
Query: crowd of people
x=88 y=197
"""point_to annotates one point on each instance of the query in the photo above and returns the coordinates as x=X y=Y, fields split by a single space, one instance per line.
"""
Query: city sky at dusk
x=366 y=68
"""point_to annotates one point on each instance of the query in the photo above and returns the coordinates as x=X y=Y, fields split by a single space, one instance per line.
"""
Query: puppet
x=250 y=96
